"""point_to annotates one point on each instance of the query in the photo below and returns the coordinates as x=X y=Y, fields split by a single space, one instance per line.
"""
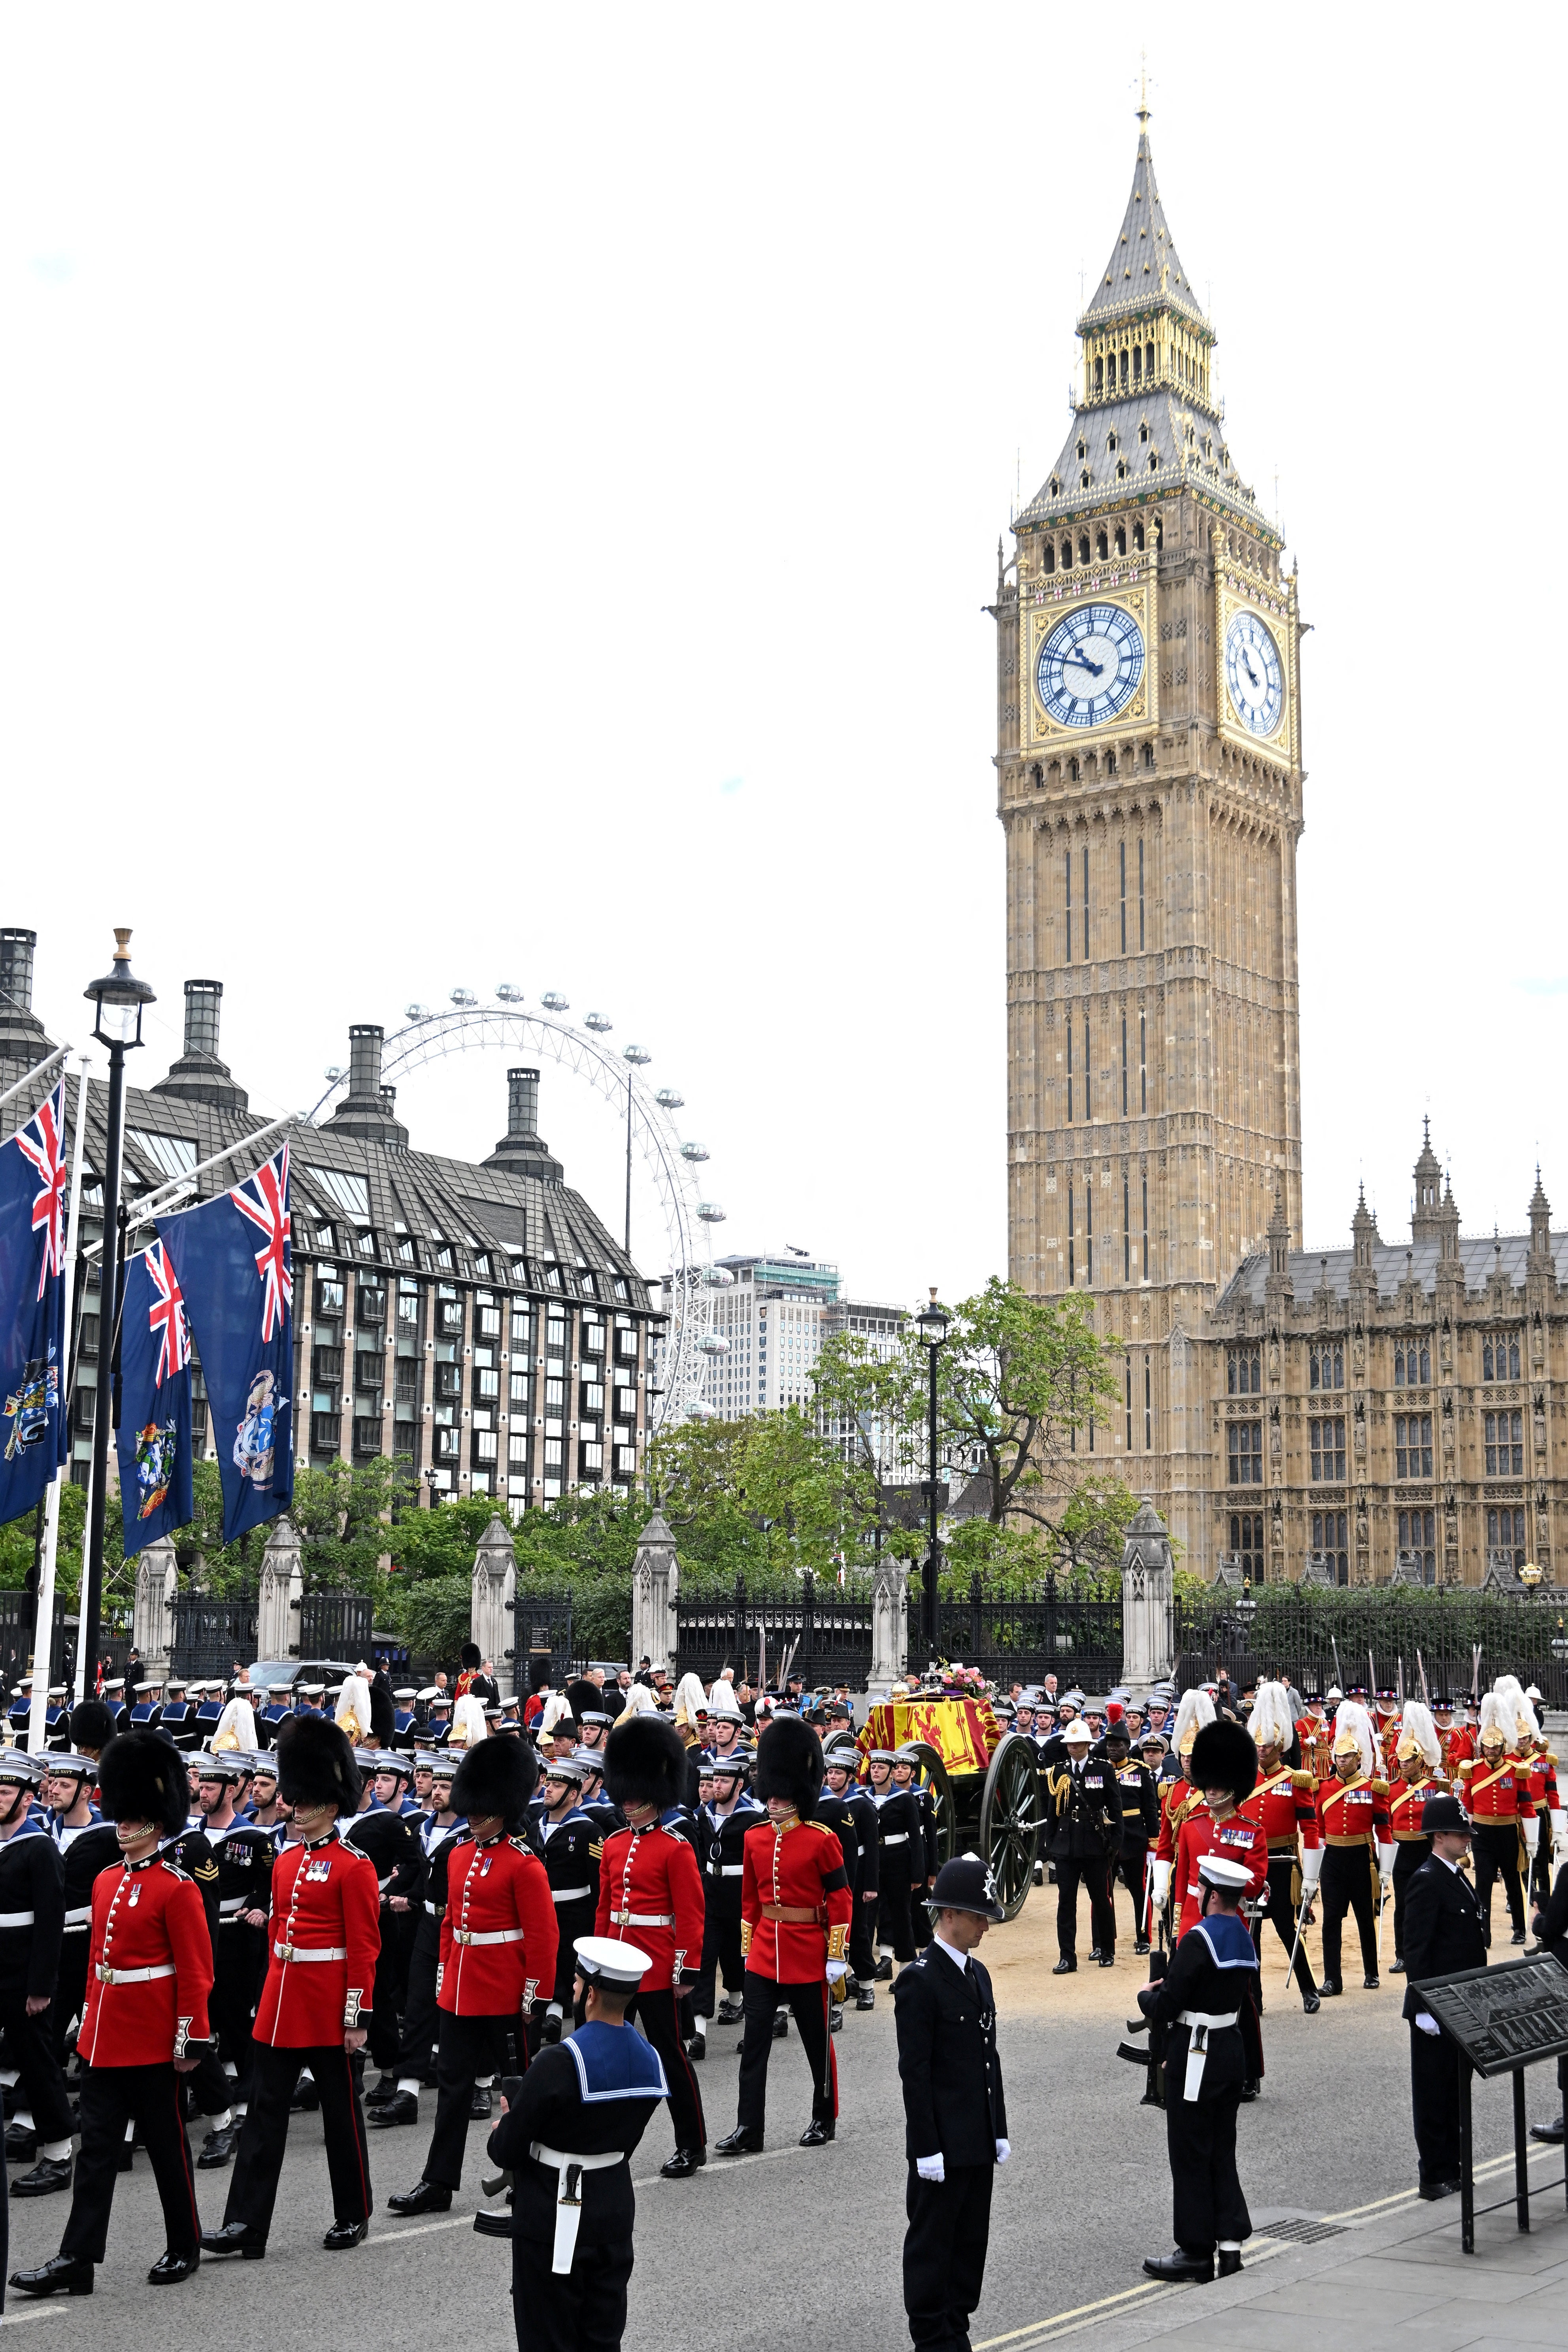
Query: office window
x=1328 y=1531
x=1411 y=1364
x=1412 y=1445
x=1328 y=1365
x=1500 y=1358
x=1327 y=1450
x=1128 y=1368
x=1245 y=1447
x=1505 y=1444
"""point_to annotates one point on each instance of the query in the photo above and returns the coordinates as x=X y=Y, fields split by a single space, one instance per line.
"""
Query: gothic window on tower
x=1329 y=1532
x=1244 y=1372
x=1142 y=1061
x=1148 y=1411
x=1110 y=442
x=1124 y=1065
x=1102 y=547
x=1137 y=539
x=1416 y=1537
x=1328 y=1365
x=1148 y=763
x=1144 y=1260
x=1083 y=536
x=1412 y=1445
x=1500 y=1358
x=1089 y=1244
x=1505 y=1533
x=1048 y=561
x=1246 y=1543
x=1088 y=1110
x=1086 y=930
x=1328 y=1447
x=1066 y=554
x=1127 y=1263
x=1072 y=1255
x=1411 y=1364
x=1068 y=1026
x=1120 y=527
x=1505 y=1444
x=1128 y=1372
x=1245 y=1459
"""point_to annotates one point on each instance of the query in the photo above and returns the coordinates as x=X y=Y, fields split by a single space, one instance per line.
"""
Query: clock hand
x=1081 y=661
x=1251 y=672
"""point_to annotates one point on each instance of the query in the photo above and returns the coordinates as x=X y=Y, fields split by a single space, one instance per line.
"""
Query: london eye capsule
x=463 y=998
x=639 y=1054
x=710 y=1213
x=599 y=1022
x=417 y=1011
x=553 y=1002
x=694 y=1151
x=667 y=1099
x=509 y=991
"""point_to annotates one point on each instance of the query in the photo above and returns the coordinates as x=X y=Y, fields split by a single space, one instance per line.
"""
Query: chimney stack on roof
x=365 y=1111
x=522 y=1150
x=22 y=1039
x=199 y=1076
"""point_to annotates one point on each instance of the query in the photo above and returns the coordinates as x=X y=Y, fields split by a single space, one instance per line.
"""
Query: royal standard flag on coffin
x=233 y=1262
x=33 y=1435
x=155 y=1434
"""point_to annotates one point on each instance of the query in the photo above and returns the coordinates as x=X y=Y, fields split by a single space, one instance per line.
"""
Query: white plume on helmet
x=236 y=1725
x=1511 y=1691
x=1195 y=1709
x=1499 y=1715
x=691 y=1700
x=641 y=1700
x=549 y=1714
x=723 y=1701
x=1353 y=1721
x=1418 y=1733
x=353 y=1715
x=468 y=1724
x=1270 y=1722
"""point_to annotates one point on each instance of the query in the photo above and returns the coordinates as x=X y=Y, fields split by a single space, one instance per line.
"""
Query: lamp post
x=117 y=1000
x=932 y=1321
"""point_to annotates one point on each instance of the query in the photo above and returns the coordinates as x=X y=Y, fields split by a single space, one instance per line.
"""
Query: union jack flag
x=42 y=1141
x=264 y=1198
x=166 y=1315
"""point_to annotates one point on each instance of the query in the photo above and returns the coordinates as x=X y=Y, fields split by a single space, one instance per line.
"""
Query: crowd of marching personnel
x=219 y=1934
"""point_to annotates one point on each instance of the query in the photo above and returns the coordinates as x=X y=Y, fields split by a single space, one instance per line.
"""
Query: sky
x=510 y=494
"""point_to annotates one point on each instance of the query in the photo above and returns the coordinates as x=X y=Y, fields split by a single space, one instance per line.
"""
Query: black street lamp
x=932 y=1322
x=118 y=998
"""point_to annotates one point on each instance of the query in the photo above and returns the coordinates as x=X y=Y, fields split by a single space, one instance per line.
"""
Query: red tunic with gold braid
x=1354 y=1812
x=1238 y=1838
x=1316 y=1734
x=1283 y=1803
x=149 y=1966
x=650 y=1895
x=498 y=1935
x=1496 y=1793
x=1460 y=1746
x=1406 y=1800
x=1177 y=1800
x=325 y=1935
x=796 y=1902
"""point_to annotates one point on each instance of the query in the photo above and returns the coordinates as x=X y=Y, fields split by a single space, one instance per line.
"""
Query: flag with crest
x=231 y=1261
x=154 y=1438
x=33 y=1431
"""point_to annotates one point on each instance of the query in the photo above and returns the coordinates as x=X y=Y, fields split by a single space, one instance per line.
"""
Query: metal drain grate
x=1302 y=2233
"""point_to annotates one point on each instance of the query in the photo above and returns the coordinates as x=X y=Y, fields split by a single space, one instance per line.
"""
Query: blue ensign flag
x=33 y=1433
x=155 y=1434
x=234 y=1265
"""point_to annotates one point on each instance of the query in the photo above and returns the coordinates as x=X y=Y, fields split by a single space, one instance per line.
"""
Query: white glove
x=1532 y=1829
x=1559 y=1831
x=931 y=2167
x=1425 y=2022
x=1162 y=1894
x=836 y=1971
x=1385 y=1864
x=1004 y=2151
x=1312 y=1868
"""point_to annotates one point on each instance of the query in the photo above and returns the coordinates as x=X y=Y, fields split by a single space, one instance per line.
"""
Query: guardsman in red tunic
x=650 y=1895
x=1223 y=1765
x=1283 y=1805
x=1316 y=1737
x=1178 y=1798
x=498 y=1941
x=796 y=1904
x=1494 y=1788
x=150 y=1971
x=1352 y=1814
x=323 y=1939
x=1385 y=1731
x=1537 y=1756
x=1417 y=1775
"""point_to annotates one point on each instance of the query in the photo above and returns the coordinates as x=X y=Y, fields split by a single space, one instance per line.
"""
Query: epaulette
x=1302 y=1780
x=1378 y=1788
x=176 y=1872
x=822 y=1827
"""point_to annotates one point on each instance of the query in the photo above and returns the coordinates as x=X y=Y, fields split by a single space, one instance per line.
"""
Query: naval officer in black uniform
x=955 y=2121
x=1445 y=1930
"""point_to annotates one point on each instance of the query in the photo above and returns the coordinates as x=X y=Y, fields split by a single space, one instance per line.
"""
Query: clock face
x=1090 y=666
x=1253 y=674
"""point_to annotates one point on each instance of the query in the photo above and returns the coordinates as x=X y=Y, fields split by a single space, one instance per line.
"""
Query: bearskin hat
x=142 y=1777
x=92 y=1728
x=584 y=1697
x=496 y=1775
x=789 y=1764
x=468 y=1657
x=316 y=1764
x=645 y=1762
x=1224 y=1755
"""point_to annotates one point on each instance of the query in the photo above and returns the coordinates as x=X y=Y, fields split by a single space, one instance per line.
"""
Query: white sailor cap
x=425 y=1759
x=423 y=1697
x=141 y=1686
x=880 y=1755
x=56 y=1690
x=410 y=1693
x=563 y=1768
x=15 y=1764
x=1217 y=1870
x=605 y=1961
x=264 y=1765
x=117 y=1682
x=393 y=1759
x=222 y=1766
x=731 y=1766
x=312 y=1690
x=72 y=1767
x=444 y=1765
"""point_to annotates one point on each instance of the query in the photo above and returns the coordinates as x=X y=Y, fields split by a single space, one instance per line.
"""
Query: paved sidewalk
x=1395 y=2266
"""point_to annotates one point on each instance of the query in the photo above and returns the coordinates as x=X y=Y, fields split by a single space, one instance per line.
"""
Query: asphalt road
x=796 y=2239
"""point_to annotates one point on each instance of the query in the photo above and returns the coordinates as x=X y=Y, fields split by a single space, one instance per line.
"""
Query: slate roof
x=1167 y=416
x=1145 y=266
x=1392 y=1263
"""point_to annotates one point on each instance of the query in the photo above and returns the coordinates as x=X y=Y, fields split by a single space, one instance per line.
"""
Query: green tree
x=766 y=1494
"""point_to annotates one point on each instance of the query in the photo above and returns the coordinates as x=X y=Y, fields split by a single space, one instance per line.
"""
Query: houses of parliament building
x=1384 y=1411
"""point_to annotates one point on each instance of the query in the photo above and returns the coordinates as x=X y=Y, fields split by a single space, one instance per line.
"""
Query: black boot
x=817 y=2133
x=218 y=2148
x=61 y=2274
x=865 y=1998
x=402 y=2107
x=170 y=2269
x=49 y=2174
x=683 y=2164
x=1229 y=2261
x=741 y=2141
x=425 y=2196
x=344 y=2234
x=1180 y=2265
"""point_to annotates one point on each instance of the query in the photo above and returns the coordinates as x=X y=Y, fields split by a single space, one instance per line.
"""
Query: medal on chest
x=135 y=1895
x=318 y=1870
x=485 y=1865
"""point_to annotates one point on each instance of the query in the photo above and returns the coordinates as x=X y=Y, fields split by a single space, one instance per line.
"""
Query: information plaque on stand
x=1504 y=2020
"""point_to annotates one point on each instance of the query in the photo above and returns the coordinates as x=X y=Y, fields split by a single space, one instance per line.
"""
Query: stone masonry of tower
x=1150 y=780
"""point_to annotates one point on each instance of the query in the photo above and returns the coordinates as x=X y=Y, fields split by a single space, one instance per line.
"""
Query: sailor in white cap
x=1199 y=2002
x=581 y=2110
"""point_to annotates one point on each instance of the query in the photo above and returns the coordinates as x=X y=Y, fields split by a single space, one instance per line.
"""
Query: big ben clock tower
x=1150 y=784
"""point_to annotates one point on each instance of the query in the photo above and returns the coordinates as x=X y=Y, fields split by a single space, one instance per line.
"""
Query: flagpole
x=155 y=1203
x=37 y=1071
x=38 y=1719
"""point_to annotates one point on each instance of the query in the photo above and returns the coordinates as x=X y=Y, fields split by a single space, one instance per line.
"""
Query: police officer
x=956 y=2118
x=1446 y=1929
x=1213 y=1970
x=1083 y=1799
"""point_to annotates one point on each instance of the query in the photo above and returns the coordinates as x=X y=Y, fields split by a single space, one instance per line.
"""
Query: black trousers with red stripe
x=111 y=2098
x=809 y=2002
x=658 y=2014
x=253 y=2184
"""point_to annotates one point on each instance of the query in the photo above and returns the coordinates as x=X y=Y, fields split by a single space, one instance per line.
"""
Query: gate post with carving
x=889 y=1625
x=279 y=1593
x=656 y=1586
x=157 y=1578
x=1148 y=1604
x=490 y=1627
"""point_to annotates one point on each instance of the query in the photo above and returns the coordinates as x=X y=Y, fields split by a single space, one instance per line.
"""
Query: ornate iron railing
x=1453 y=1639
x=825 y=1635
x=1019 y=1641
